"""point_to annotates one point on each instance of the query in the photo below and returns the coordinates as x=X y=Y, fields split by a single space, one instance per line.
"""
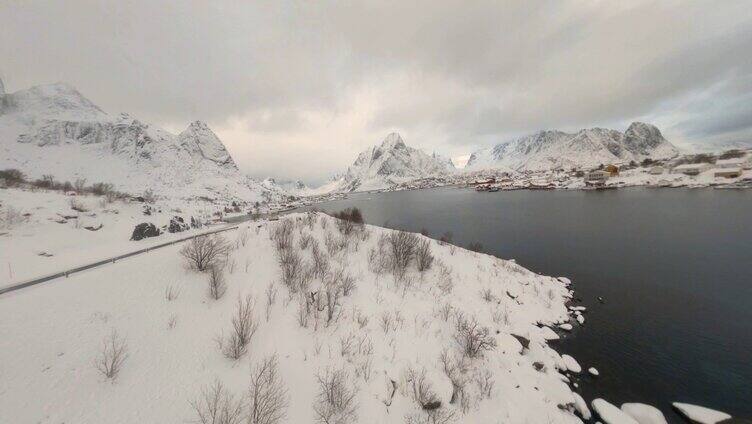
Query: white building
x=743 y=162
x=656 y=170
x=691 y=168
x=598 y=177
x=727 y=172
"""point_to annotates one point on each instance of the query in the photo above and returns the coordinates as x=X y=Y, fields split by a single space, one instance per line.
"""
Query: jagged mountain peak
x=389 y=163
x=584 y=148
x=117 y=149
x=393 y=141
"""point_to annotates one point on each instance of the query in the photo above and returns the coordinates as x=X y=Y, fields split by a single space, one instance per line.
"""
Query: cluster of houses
x=722 y=168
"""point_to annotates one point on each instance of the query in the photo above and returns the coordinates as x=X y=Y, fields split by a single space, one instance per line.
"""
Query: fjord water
x=674 y=267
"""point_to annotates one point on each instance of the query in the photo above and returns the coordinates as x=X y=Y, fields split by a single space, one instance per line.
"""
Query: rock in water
x=144 y=230
x=611 y=414
x=700 y=414
x=644 y=414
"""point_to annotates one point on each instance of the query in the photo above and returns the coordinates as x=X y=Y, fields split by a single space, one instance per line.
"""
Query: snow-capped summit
x=201 y=140
x=389 y=163
x=53 y=129
x=586 y=148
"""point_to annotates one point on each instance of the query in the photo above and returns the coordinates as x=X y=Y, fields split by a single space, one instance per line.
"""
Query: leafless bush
x=305 y=241
x=422 y=391
x=386 y=322
x=113 y=355
x=335 y=402
x=320 y=265
x=332 y=291
x=446 y=238
x=171 y=292
x=12 y=217
x=204 y=252
x=335 y=244
x=402 y=246
x=475 y=247
x=102 y=189
x=292 y=268
x=77 y=205
x=445 y=311
x=349 y=220
x=172 y=321
x=472 y=338
x=282 y=235
x=217 y=284
x=304 y=310
x=379 y=260
x=423 y=255
x=485 y=382
x=500 y=316
x=267 y=397
x=271 y=297
x=487 y=295
x=244 y=326
x=455 y=368
x=149 y=196
x=217 y=406
x=80 y=185
x=242 y=238
x=344 y=280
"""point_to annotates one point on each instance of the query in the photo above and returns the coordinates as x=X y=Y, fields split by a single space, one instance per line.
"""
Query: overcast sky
x=297 y=89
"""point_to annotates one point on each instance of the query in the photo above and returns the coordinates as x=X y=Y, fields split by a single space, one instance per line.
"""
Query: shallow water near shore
x=674 y=267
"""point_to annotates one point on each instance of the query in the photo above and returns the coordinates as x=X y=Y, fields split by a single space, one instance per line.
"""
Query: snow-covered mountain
x=285 y=187
x=390 y=163
x=585 y=148
x=53 y=129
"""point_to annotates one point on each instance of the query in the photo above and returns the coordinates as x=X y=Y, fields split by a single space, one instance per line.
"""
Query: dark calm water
x=674 y=267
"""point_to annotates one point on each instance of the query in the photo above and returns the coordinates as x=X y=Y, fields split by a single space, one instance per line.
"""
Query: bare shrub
x=455 y=368
x=80 y=185
x=379 y=260
x=149 y=196
x=171 y=292
x=292 y=268
x=487 y=295
x=205 y=251
x=244 y=326
x=485 y=383
x=445 y=311
x=217 y=406
x=335 y=402
x=423 y=255
x=12 y=177
x=332 y=291
x=349 y=220
x=271 y=297
x=386 y=322
x=475 y=247
x=320 y=265
x=304 y=310
x=344 y=280
x=335 y=244
x=12 y=217
x=102 y=189
x=113 y=355
x=172 y=322
x=444 y=280
x=217 y=284
x=402 y=246
x=472 y=338
x=305 y=241
x=446 y=238
x=282 y=235
x=242 y=238
x=422 y=391
x=267 y=396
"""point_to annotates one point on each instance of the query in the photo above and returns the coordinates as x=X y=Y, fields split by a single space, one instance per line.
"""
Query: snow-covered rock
x=644 y=414
x=571 y=363
x=53 y=129
x=593 y=371
x=586 y=148
x=700 y=414
x=581 y=406
x=566 y=326
x=610 y=414
x=391 y=163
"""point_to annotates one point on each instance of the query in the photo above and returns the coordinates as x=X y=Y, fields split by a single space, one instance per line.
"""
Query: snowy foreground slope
x=390 y=163
x=54 y=130
x=386 y=333
x=591 y=147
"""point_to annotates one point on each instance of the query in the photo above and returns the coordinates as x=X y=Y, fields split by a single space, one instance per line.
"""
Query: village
x=732 y=169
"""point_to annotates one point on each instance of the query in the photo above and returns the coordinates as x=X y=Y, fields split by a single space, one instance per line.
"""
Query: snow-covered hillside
x=53 y=129
x=399 y=346
x=390 y=163
x=585 y=148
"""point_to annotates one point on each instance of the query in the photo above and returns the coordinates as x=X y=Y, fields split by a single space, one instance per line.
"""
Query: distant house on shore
x=612 y=170
x=727 y=172
x=691 y=168
x=656 y=170
x=743 y=162
x=597 y=177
